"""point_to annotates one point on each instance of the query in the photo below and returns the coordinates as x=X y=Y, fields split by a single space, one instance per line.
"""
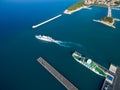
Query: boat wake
x=68 y=44
x=58 y=42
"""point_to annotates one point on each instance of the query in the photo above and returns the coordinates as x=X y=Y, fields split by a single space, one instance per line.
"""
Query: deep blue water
x=19 y=48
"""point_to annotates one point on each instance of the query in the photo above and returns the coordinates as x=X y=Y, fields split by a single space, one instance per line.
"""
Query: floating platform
x=56 y=74
x=115 y=85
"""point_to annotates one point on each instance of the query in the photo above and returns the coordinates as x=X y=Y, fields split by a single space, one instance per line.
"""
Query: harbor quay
x=57 y=75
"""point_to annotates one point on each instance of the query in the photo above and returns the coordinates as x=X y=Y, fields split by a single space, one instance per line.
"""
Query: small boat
x=45 y=38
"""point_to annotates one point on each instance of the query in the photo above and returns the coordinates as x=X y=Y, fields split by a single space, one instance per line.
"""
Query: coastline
x=106 y=23
x=70 y=12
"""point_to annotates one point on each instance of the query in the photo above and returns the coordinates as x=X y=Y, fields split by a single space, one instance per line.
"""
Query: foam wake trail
x=35 y=26
x=63 y=44
x=68 y=44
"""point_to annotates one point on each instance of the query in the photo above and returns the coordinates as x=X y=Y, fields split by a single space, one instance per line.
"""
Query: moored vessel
x=91 y=65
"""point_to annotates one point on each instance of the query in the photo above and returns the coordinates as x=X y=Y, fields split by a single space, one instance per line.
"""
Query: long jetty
x=35 y=26
x=56 y=74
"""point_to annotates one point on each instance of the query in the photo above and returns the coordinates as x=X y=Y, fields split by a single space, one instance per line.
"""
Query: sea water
x=19 y=48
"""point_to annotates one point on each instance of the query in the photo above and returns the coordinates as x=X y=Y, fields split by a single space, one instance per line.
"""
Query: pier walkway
x=56 y=74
